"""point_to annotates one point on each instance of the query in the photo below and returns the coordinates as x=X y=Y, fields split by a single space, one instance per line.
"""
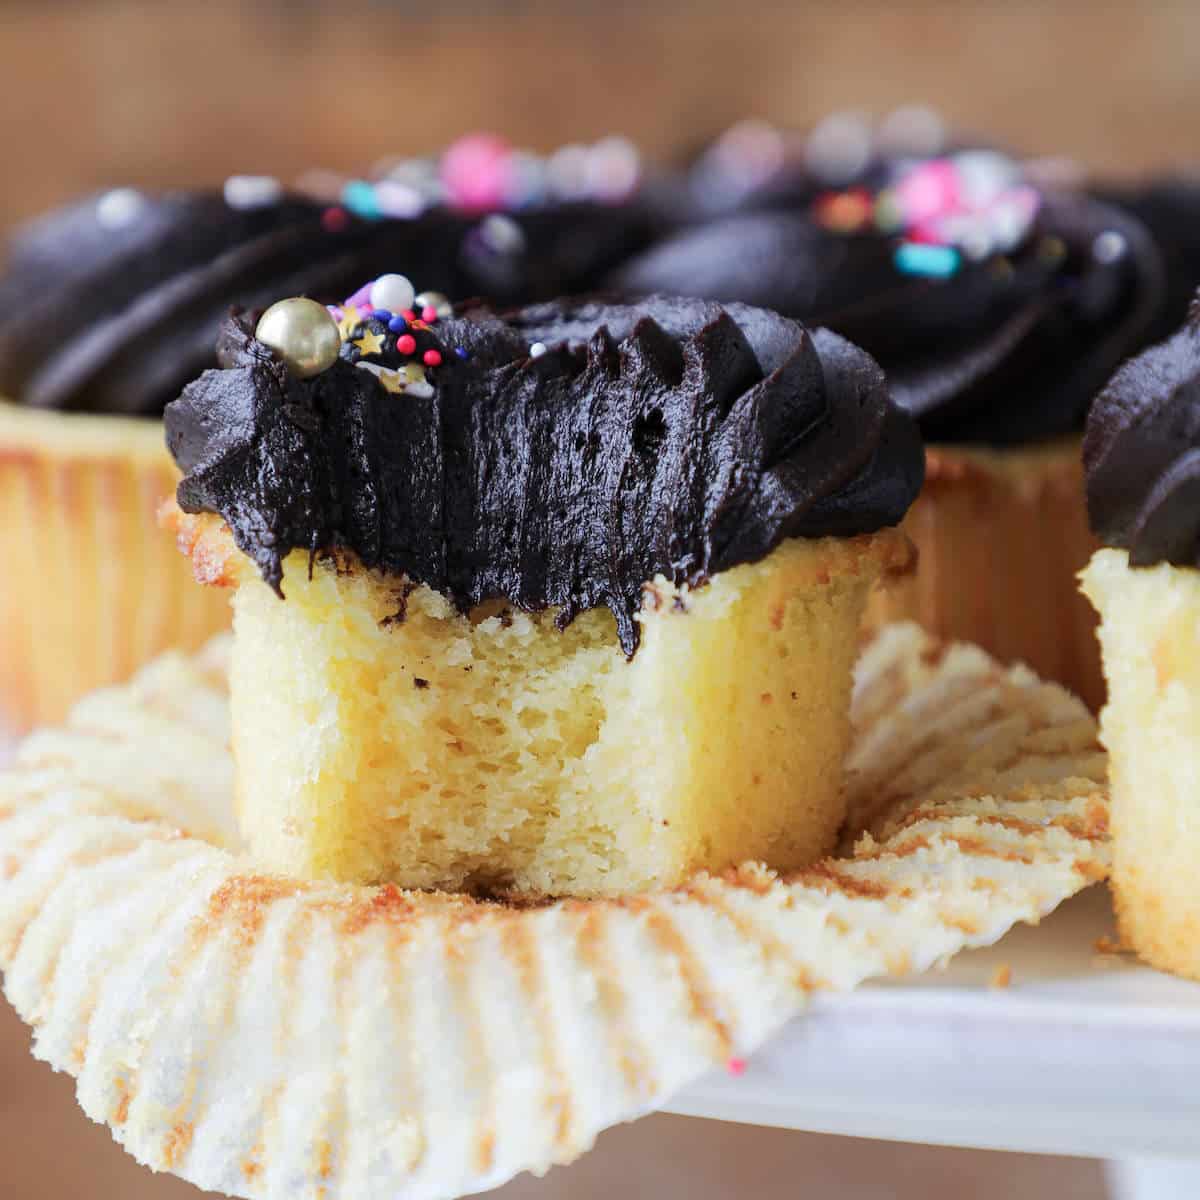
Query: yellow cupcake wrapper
x=93 y=588
x=1000 y=535
x=263 y=1036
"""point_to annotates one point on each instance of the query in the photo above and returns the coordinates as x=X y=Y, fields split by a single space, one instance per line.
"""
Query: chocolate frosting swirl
x=674 y=437
x=116 y=318
x=1141 y=454
x=1008 y=349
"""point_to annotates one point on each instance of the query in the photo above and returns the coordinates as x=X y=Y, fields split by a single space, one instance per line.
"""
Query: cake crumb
x=1001 y=976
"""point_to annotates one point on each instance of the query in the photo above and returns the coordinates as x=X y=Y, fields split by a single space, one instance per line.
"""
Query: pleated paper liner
x=93 y=588
x=1001 y=535
x=265 y=1037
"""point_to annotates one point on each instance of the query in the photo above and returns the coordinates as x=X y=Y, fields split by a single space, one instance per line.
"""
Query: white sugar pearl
x=252 y=191
x=119 y=207
x=392 y=292
x=537 y=349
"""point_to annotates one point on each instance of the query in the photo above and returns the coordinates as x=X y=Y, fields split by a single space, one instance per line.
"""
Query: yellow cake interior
x=383 y=737
x=1150 y=638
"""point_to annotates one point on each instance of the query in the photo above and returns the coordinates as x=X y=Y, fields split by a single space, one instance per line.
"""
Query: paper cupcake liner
x=93 y=589
x=1001 y=535
x=266 y=1037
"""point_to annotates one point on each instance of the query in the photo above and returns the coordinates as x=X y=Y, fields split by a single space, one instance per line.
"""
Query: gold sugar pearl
x=303 y=333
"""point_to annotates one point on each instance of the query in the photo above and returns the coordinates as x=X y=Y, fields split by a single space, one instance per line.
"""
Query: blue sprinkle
x=382 y=314
x=933 y=262
x=397 y=324
x=461 y=352
x=359 y=197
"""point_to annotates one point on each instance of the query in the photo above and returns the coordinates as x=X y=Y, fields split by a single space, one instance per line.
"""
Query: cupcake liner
x=266 y=1037
x=1001 y=535
x=93 y=588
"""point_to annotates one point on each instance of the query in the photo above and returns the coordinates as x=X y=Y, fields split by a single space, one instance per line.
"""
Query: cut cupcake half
x=1142 y=454
x=564 y=603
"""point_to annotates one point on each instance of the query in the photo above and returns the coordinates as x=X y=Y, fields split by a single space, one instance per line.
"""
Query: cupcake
x=1142 y=457
x=563 y=602
x=997 y=310
x=107 y=308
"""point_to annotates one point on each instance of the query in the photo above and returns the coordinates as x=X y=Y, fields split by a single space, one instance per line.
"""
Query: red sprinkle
x=736 y=1066
x=433 y=358
x=406 y=343
x=409 y=315
x=429 y=313
x=334 y=220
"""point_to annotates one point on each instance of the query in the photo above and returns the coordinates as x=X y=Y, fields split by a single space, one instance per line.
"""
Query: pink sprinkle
x=334 y=220
x=429 y=314
x=736 y=1066
x=409 y=315
x=406 y=343
x=475 y=172
x=433 y=358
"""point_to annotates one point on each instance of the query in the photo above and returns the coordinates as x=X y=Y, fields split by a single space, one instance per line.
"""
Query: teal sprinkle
x=359 y=197
x=918 y=258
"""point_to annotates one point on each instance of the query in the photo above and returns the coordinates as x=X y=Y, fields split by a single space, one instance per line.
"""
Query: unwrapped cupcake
x=563 y=602
x=1142 y=454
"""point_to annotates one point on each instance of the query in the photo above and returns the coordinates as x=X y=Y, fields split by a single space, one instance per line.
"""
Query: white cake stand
x=1083 y=1053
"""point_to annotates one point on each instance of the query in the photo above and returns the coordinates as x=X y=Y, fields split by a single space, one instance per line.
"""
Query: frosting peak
x=561 y=455
x=1142 y=453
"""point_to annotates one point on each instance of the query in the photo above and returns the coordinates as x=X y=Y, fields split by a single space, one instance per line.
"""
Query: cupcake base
x=1150 y=635
x=1001 y=536
x=382 y=736
x=92 y=587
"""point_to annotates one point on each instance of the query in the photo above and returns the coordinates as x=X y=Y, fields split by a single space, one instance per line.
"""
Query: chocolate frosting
x=1007 y=350
x=1169 y=207
x=1141 y=454
x=116 y=318
x=674 y=437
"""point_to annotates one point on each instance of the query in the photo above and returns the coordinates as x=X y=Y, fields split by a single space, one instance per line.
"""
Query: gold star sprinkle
x=392 y=381
x=350 y=319
x=370 y=343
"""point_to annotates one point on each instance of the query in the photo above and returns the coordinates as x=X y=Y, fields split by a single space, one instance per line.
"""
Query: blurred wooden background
x=153 y=92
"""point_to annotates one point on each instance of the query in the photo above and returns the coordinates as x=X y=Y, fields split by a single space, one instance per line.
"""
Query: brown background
x=159 y=93
x=154 y=92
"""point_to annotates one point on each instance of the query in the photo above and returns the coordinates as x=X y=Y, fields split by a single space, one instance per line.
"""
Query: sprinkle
x=409 y=315
x=429 y=314
x=537 y=349
x=736 y=1066
x=359 y=197
x=397 y=324
x=932 y=262
x=119 y=207
x=370 y=343
x=1108 y=247
x=382 y=314
x=461 y=351
x=252 y=191
x=502 y=235
x=334 y=220
x=844 y=212
x=432 y=358
x=406 y=343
